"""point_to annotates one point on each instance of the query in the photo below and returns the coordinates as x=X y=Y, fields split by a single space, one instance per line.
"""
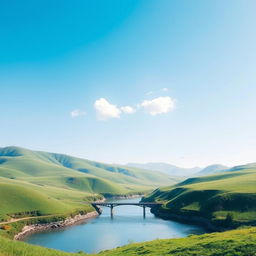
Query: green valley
x=48 y=183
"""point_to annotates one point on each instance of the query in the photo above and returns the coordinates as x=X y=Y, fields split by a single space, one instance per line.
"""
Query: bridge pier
x=144 y=211
x=112 y=210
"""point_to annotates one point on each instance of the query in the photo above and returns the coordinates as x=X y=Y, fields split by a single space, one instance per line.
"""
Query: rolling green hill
x=227 y=199
x=55 y=183
x=26 y=199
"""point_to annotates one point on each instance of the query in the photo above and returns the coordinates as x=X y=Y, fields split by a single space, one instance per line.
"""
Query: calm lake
x=103 y=233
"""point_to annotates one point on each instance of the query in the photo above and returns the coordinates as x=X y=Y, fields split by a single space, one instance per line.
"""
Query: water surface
x=103 y=233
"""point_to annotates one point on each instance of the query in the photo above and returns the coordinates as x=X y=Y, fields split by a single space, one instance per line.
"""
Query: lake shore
x=70 y=221
x=122 y=225
x=196 y=220
x=34 y=228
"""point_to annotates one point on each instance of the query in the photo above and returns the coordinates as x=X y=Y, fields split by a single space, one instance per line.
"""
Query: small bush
x=229 y=219
x=6 y=227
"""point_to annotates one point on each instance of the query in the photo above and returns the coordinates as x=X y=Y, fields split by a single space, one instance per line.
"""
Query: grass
x=27 y=200
x=16 y=248
x=231 y=243
x=213 y=197
x=18 y=197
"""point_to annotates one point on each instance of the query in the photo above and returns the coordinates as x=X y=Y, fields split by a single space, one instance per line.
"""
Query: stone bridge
x=112 y=205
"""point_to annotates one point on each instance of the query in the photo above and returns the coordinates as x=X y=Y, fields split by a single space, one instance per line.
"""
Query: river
x=103 y=233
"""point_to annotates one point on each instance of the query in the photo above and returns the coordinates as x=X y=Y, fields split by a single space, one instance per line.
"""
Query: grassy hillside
x=227 y=199
x=19 y=163
x=28 y=200
x=53 y=183
x=19 y=199
x=232 y=243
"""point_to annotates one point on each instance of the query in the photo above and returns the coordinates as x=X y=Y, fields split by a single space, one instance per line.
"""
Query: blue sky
x=131 y=80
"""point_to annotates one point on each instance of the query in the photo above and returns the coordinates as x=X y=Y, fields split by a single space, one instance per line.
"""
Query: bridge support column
x=112 y=210
x=144 y=211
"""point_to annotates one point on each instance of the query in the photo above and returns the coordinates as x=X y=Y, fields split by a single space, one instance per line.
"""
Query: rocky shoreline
x=30 y=229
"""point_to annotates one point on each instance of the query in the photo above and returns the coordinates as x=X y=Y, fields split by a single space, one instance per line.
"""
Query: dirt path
x=25 y=218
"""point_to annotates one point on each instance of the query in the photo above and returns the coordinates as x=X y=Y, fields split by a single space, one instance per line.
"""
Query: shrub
x=229 y=219
x=6 y=227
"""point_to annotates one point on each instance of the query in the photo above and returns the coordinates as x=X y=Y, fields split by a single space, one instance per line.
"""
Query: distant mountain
x=167 y=168
x=212 y=169
x=243 y=167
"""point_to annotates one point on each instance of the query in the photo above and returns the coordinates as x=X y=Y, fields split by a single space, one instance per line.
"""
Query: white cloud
x=77 y=112
x=106 y=110
x=158 y=105
x=128 y=109
x=165 y=89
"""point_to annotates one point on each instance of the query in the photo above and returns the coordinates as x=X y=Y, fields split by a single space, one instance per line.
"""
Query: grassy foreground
x=231 y=243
